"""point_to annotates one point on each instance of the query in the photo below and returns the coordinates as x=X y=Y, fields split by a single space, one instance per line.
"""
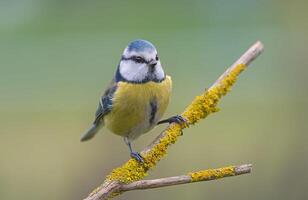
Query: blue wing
x=104 y=107
x=105 y=103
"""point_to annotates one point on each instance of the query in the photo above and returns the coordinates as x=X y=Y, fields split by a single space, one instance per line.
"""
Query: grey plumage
x=90 y=133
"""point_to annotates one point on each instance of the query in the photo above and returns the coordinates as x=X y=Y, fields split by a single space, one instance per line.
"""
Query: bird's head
x=140 y=63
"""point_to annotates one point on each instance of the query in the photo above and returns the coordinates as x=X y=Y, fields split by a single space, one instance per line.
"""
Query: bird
x=136 y=98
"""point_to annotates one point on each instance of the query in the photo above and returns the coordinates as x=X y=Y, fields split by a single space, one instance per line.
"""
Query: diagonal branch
x=202 y=106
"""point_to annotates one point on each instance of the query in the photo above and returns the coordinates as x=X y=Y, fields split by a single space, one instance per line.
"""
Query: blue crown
x=140 y=45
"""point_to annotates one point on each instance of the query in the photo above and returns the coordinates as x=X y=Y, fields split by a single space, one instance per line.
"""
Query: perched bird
x=136 y=98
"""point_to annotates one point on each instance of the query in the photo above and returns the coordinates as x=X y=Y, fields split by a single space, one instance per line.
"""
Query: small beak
x=153 y=63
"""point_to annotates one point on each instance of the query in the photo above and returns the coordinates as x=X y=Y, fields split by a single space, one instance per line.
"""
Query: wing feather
x=105 y=103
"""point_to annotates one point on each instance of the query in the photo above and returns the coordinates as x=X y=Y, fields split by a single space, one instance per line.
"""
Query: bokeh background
x=56 y=56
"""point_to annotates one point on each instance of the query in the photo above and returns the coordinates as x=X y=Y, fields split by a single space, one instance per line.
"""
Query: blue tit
x=136 y=98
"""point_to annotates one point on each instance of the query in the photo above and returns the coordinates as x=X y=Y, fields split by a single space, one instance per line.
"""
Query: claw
x=137 y=156
x=175 y=119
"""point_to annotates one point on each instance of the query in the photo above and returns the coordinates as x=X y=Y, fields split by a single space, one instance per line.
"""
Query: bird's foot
x=136 y=156
x=174 y=119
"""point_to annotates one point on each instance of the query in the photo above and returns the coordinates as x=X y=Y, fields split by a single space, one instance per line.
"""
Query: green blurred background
x=57 y=56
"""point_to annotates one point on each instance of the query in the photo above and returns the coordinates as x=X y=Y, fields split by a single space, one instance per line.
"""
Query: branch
x=202 y=106
x=205 y=175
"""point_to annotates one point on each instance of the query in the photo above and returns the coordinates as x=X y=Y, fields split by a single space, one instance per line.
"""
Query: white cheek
x=159 y=72
x=132 y=71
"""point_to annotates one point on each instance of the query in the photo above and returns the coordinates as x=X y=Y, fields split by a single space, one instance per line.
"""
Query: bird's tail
x=90 y=133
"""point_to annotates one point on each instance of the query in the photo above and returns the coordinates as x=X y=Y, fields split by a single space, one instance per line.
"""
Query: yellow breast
x=131 y=109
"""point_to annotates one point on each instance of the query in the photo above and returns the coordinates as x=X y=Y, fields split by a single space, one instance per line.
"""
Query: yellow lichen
x=201 y=107
x=206 y=103
x=133 y=170
x=210 y=174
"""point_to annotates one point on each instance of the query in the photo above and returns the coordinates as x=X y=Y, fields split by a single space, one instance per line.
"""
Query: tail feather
x=90 y=133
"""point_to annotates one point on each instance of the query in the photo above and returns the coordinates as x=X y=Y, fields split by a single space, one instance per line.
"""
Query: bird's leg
x=174 y=119
x=133 y=154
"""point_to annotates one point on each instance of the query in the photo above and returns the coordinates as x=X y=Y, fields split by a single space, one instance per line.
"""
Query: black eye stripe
x=137 y=59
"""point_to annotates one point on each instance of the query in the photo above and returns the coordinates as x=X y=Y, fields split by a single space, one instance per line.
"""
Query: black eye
x=139 y=59
x=156 y=58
